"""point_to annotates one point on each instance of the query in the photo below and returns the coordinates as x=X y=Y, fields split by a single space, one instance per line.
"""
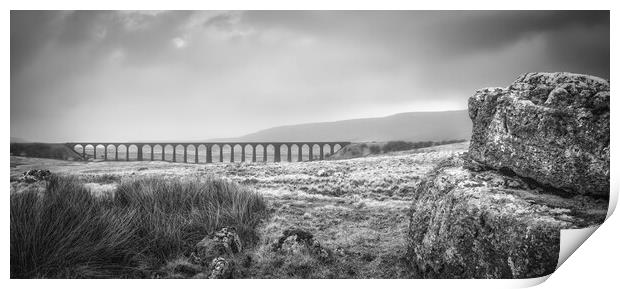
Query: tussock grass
x=101 y=178
x=66 y=232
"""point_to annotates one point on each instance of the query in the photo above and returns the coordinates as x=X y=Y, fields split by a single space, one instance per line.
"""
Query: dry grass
x=65 y=231
x=355 y=207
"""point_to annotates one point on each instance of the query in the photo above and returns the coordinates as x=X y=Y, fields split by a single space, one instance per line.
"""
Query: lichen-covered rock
x=301 y=236
x=298 y=241
x=485 y=224
x=550 y=127
x=225 y=242
x=31 y=176
x=221 y=268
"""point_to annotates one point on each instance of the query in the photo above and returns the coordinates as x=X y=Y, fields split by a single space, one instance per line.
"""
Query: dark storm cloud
x=464 y=30
x=473 y=30
x=133 y=74
x=29 y=32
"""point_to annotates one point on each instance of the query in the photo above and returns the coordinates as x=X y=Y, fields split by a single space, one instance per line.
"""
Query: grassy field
x=69 y=232
x=356 y=208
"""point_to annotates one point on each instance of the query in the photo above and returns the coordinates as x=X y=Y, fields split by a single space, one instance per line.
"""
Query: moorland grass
x=394 y=146
x=66 y=232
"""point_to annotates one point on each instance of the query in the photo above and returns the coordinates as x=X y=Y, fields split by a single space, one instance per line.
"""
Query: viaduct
x=218 y=147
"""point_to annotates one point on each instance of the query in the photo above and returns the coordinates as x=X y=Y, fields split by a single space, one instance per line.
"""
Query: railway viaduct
x=209 y=148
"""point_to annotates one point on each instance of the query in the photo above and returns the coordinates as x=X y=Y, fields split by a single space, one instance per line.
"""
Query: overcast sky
x=124 y=75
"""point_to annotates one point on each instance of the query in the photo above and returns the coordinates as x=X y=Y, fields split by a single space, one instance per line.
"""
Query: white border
x=594 y=265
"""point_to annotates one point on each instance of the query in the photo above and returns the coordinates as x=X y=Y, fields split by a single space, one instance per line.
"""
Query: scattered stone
x=340 y=252
x=467 y=224
x=513 y=184
x=31 y=176
x=299 y=234
x=320 y=251
x=292 y=245
x=221 y=268
x=550 y=127
x=225 y=242
x=323 y=173
x=296 y=241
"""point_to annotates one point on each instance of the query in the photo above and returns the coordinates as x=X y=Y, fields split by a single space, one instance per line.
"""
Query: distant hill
x=410 y=126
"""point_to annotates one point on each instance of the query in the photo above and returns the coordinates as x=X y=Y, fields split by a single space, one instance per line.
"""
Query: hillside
x=411 y=126
x=44 y=150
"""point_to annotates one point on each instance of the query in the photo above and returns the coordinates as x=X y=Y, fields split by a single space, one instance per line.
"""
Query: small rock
x=292 y=245
x=513 y=184
x=300 y=236
x=221 y=269
x=31 y=176
x=323 y=173
x=296 y=241
x=319 y=250
x=340 y=251
x=224 y=242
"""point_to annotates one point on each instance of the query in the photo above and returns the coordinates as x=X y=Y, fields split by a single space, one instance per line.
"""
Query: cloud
x=179 y=42
x=123 y=75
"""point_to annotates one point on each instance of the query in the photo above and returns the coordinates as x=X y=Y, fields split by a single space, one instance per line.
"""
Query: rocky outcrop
x=550 y=127
x=470 y=222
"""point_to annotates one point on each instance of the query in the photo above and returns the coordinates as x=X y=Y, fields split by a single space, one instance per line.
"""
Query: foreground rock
x=467 y=222
x=221 y=268
x=298 y=241
x=551 y=127
x=226 y=241
x=216 y=252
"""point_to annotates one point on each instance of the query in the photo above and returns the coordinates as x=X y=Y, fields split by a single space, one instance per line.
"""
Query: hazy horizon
x=225 y=139
x=198 y=75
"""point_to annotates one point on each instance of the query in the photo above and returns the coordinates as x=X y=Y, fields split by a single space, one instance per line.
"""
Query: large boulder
x=468 y=221
x=550 y=127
